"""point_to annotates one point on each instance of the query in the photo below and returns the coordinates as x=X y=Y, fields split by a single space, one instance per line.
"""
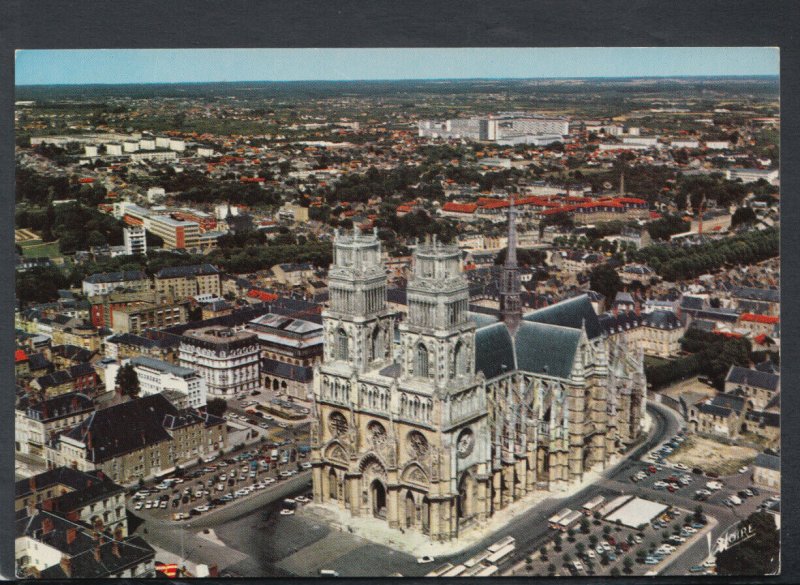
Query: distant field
x=33 y=248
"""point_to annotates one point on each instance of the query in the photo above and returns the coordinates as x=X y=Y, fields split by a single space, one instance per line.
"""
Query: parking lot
x=220 y=481
x=593 y=546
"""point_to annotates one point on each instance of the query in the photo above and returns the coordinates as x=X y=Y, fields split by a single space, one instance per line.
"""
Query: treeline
x=382 y=183
x=669 y=225
x=417 y=224
x=39 y=190
x=674 y=263
x=712 y=356
x=254 y=258
x=75 y=226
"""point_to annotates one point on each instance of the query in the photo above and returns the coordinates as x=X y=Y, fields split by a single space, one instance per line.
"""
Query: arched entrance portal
x=465 y=505
x=411 y=510
x=332 y=485
x=378 y=494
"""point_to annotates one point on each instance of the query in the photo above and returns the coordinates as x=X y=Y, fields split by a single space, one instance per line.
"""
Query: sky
x=42 y=67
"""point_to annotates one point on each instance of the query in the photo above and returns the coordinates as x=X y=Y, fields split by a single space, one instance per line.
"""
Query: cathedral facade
x=467 y=413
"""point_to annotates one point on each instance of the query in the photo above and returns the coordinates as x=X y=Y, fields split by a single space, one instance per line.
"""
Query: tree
x=605 y=280
x=585 y=525
x=567 y=558
x=615 y=571
x=216 y=406
x=128 y=381
x=759 y=554
x=743 y=216
x=557 y=542
x=551 y=569
x=571 y=535
x=593 y=539
x=580 y=547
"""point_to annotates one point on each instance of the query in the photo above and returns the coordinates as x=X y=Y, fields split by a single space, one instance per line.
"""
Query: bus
x=569 y=520
x=487 y=571
x=478 y=558
x=502 y=543
x=555 y=520
x=592 y=505
x=472 y=571
x=455 y=571
x=498 y=556
x=440 y=571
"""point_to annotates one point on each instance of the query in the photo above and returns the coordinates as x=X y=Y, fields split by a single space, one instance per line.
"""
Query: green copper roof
x=546 y=349
x=569 y=313
x=493 y=350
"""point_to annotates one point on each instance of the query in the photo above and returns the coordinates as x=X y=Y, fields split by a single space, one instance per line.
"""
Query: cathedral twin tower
x=456 y=420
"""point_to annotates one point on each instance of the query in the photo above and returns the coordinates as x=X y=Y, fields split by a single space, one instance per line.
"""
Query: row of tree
x=712 y=355
x=674 y=263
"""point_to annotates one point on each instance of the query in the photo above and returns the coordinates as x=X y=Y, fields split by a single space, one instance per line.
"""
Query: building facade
x=227 y=359
x=464 y=419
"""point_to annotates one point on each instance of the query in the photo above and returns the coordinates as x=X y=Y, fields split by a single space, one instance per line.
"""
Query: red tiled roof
x=753 y=318
x=20 y=356
x=262 y=295
x=459 y=207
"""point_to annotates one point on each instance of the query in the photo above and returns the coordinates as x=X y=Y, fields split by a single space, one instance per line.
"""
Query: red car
x=624 y=546
x=671 y=488
x=672 y=478
x=611 y=540
x=652 y=469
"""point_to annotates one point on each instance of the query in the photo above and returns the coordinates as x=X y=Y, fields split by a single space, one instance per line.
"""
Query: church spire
x=510 y=301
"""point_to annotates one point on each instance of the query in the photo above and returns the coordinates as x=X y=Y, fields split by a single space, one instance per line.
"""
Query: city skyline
x=126 y=66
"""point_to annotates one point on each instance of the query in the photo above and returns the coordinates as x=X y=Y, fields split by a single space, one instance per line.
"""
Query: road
x=254 y=540
x=271 y=542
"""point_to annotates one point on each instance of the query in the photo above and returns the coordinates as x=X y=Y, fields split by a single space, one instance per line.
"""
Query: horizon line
x=410 y=79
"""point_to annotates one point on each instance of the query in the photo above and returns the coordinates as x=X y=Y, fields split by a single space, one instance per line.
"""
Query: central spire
x=510 y=301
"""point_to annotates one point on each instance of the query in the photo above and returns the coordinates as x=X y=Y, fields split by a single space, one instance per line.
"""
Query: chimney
x=32 y=483
x=637 y=307
x=72 y=534
x=115 y=550
x=47 y=526
x=97 y=553
x=66 y=565
x=89 y=439
x=616 y=310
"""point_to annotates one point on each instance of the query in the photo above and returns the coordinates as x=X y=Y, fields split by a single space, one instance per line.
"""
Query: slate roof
x=768 y=461
x=77 y=480
x=481 y=319
x=546 y=349
x=38 y=361
x=714 y=410
x=164 y=341
x=692 y=303
x=756 y=378
x=757 y=294
x=187 y=271
x=729 y=401
x=575 y=313
x=125 y=427
x=73 y=353
x=494 y=350
x=64 y=376
x=57 y=406
x=768 y=366
x=662 y=319
x=302 y=374
x=110 y=277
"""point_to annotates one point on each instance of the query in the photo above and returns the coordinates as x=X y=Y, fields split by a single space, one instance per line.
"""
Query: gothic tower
x=438 y=339
x=358 y=326
x=510 y=301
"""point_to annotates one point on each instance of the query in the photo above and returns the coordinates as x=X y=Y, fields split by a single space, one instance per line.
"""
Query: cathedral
x=466 y=413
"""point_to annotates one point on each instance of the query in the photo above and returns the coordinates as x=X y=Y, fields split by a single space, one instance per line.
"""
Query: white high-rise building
x=135 y=239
